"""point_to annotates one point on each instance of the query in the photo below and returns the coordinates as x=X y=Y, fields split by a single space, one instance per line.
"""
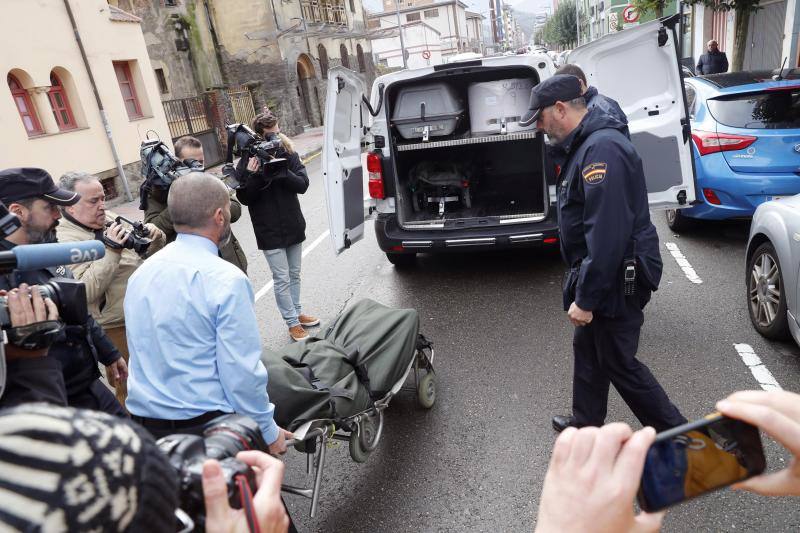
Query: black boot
x=560 y=423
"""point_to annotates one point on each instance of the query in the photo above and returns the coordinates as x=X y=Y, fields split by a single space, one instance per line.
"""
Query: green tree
x=560 y=30
x=650 y=6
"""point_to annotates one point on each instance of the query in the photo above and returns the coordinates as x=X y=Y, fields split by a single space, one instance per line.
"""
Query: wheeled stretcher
x=338 y=385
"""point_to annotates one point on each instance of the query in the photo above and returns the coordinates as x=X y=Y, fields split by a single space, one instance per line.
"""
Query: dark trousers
x=605 y=353
x=97 y=397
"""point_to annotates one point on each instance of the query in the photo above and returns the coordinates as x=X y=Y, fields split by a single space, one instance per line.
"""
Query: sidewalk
x=307 y=144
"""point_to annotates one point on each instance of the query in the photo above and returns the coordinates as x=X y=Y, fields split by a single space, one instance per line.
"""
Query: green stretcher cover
x=380 y=338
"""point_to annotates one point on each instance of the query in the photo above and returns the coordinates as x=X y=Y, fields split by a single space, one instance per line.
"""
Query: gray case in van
x=432 y=110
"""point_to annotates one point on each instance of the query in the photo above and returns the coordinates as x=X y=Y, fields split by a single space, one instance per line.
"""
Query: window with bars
x=60 y=104
x=162 y=80
x=25 y=107
x=412 y=17
x=128 y=89
x=431 y=13
x=323 y=60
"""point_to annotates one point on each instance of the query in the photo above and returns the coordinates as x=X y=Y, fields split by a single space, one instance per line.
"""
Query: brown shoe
x=297 y=333
x=308 y=320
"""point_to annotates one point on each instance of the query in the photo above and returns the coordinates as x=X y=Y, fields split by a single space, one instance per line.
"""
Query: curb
x=311 y=154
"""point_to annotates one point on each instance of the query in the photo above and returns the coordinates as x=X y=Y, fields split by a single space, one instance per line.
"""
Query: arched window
x=60 y=104
x=345 y=59
x=323 y=61
x=362 y=67
x=25 y=107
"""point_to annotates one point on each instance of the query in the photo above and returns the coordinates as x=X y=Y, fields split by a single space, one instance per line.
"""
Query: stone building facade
x=280 y=50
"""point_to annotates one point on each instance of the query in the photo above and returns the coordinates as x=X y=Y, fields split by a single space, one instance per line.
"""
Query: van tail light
x=711 y=196
x=709 y=142
x=551 y=240
x=375 y=172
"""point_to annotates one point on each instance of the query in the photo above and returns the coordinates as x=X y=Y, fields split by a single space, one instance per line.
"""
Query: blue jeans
x=285 y=266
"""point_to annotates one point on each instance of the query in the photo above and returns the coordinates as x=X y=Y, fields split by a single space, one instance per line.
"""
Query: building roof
x=118 y=15
x=473 y=15
x=413 y=9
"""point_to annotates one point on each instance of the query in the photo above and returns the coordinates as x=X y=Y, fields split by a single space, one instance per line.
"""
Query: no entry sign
x=630 y=14
x=426 y=54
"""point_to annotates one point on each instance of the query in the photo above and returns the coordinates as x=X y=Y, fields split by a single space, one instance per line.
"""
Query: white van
x=447 y=167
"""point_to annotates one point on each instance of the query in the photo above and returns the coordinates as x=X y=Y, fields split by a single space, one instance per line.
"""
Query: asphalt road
x=477 y=460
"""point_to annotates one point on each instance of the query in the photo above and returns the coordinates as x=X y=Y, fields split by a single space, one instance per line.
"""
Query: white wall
x=418 y=38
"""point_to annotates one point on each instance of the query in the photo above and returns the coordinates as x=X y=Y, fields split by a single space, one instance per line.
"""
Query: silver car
x=773 y=265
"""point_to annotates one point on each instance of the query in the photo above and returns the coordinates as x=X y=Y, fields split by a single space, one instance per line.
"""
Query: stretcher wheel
x=357 y=452
x=426 y=390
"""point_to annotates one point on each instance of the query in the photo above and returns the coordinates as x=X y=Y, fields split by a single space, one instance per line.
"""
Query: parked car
x=447 y=166
x=746 y=143
x=773 y=265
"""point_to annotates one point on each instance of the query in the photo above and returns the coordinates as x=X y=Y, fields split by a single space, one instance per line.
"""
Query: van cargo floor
x=503 y=204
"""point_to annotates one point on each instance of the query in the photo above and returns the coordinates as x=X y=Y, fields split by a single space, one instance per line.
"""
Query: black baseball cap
x=20 y=183
x=559 y=88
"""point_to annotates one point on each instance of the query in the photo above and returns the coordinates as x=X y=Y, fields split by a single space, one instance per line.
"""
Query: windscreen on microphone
x=37 y=256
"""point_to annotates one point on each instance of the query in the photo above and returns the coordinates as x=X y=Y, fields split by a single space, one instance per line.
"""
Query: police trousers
x=605 y=353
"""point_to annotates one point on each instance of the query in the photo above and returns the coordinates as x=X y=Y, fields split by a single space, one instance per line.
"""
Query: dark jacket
x=38 y=379
x=603 y=216
x=271 y=195
x=608 y=105
x=158 y=214
x=712 y=63
x=79 y=348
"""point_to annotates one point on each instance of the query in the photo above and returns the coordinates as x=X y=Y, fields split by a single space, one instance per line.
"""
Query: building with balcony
x=475 y=31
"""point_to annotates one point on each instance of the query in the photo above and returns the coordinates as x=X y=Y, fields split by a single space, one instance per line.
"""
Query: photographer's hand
x=26 y=306
x=777 y=413
x=269 y=509
x=253 y=165
x=117 y=234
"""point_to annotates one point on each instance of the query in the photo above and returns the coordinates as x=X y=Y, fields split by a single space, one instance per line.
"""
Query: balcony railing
x=325 y=11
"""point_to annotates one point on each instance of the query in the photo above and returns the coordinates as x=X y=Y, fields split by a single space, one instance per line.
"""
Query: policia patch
x=594 y=173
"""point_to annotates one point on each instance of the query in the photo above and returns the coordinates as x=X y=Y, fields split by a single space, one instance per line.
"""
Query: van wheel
x=402 y=260
x=677 y=221
x=766 y=293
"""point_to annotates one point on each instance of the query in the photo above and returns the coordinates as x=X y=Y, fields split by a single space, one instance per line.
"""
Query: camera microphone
x=38 y=256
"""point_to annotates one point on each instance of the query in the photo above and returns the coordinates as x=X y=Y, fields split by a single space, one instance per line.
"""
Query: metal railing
x=325 y=11
x=187 y=116
x=242 y=104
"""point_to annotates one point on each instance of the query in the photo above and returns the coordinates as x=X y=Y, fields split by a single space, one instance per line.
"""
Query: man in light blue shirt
x=192 y=330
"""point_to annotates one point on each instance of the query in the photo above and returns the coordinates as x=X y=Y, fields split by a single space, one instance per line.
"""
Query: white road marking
x=307 y=250
x=757 y=368
x=687 y=268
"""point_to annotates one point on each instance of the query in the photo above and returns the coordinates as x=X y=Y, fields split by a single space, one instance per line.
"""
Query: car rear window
x=778 y=110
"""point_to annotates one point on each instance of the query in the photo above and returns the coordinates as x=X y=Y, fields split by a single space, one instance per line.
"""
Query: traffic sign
x=630 y=14
x=426 y=54
x=613 y=21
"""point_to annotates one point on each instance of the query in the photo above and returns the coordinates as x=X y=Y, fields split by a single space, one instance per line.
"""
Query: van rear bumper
x=394 y=239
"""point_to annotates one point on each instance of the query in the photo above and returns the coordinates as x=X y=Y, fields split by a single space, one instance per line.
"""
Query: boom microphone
x=38 y=256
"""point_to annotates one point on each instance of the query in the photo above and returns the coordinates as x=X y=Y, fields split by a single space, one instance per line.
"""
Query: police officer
x=33 y=197
x=612 y=251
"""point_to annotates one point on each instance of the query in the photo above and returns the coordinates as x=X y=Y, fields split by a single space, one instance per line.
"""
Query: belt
x=160 y=423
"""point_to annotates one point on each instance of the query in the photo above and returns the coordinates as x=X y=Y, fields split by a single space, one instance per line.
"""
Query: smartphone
x=699 y=457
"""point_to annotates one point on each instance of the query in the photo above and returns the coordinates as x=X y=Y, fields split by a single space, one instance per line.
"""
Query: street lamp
x=400 y=29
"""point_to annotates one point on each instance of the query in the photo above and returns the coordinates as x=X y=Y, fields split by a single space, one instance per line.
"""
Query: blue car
x=746 y=143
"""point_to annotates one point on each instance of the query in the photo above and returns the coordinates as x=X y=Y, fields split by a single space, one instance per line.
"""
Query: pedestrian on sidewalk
x=190 y=150
x=270 y=191
x=611 y=249
x=712 y=62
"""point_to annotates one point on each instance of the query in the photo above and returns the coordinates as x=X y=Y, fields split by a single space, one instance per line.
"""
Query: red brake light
x=551 y=240
x=711 y=196
x=709 y=142
x=375 y=182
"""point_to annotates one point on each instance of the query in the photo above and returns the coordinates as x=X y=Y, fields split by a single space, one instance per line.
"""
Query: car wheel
x=402 y=260
x=766 y=293
x=677 y=221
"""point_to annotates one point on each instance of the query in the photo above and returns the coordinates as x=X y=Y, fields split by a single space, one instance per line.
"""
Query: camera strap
x=36 y=336
x=246 y=498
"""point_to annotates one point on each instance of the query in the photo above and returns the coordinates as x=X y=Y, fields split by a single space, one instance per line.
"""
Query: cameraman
x=105 y=279
x=271 y=194
x=31 y=195
x=189 y=150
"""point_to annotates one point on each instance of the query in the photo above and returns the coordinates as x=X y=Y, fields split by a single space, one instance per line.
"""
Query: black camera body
x=244 y=142
x=68 y=294
x=161 y=167
x=222 y=439
x=137 y=240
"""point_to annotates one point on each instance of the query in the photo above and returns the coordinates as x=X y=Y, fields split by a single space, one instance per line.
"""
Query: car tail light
x=711 y=196
x=709 y=142
x=551 y=240
x=375 y=182
x=396 y=248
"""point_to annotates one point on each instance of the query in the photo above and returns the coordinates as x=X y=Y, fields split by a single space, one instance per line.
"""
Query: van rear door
x=341 y=157
x=639 y=68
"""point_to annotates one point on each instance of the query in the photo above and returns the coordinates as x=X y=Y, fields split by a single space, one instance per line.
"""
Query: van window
x=765 y=110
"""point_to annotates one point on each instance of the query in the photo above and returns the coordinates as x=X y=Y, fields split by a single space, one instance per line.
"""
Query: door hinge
x=682 y=197
x=662 y=36
x=347 y=242
x=339 y=85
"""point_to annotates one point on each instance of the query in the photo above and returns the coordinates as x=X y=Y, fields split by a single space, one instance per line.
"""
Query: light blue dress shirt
x=193 y=338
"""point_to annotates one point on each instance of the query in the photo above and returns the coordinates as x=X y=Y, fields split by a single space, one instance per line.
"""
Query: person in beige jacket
x=105 y=279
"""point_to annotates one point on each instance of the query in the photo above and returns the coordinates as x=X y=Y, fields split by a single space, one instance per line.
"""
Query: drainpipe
x=103 y=115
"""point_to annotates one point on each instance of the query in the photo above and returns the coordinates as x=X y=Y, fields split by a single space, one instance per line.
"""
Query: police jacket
x=79 y=348
x=712 y=63
x=158 y=214
x=271 y=195
x=608 y=105
x=603 y=216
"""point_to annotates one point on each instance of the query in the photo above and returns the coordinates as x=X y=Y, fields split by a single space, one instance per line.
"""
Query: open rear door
x=341 y=157
x=639 y=68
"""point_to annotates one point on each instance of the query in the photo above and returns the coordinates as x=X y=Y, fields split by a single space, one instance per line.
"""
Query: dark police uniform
x=78 y=349
x=604 y=222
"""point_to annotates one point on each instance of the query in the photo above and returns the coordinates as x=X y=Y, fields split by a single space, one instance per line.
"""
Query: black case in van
x=424 y=111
